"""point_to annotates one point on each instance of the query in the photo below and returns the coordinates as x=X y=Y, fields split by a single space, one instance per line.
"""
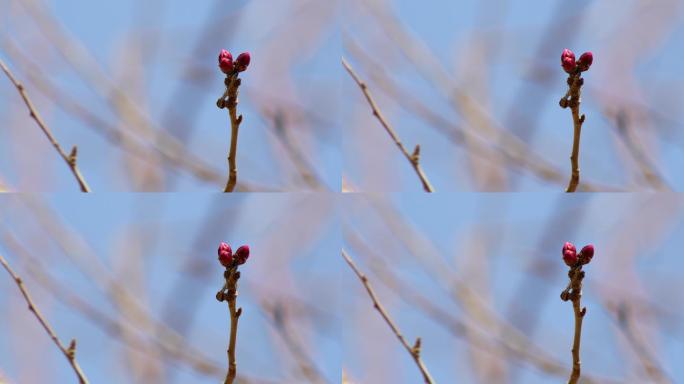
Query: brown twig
x=229 y=100
x=413 y=158
x=572 y=100
x=229 y=294
x=573 y=292
x=70 y=159
x=414 y=350
x=70 y=351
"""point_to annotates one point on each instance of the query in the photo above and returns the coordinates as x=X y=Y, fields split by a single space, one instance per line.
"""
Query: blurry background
x=134 y=278
x=478 y=278
x=477 y=85
x=134 y=85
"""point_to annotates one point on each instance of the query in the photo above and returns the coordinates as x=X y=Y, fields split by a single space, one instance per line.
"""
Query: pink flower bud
x=569 y=65
x=225 y=60
x=225 y=55
x=242 y=61
x=569 y=254
x=242 y=254
x=585 y=61
x=567 y=54
x=568 y=61
x=586 y=254
x=225 y=254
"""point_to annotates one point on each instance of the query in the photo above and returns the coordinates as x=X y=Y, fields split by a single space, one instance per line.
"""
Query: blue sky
x=510 y=241
x=162 y=249
x=505 y=56
x=175 y=84
x=506 y=247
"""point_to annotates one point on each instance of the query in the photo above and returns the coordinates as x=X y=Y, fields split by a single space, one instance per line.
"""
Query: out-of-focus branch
x=649 y=363
x=69 y=159
x=414 y=350
x=646 y=166
x=277 y=312
x=413 y=158
x=70 y=351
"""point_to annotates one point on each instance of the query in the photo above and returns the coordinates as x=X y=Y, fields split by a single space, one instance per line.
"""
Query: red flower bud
x=569 y=254
x=569 y=65
x=225 y=61
x=242 y=254
x=567 y=54
x=568 y=61
x=586 y=254
x=225 y=254
x=242 y=61
x=585 y=61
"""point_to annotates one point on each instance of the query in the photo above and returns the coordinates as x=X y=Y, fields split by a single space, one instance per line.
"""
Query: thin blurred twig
x=414 y=350
x=70 y=351
x=413 y=158
x=650 y=364
x=277 y=312
x=648 y=170
x=69 y=159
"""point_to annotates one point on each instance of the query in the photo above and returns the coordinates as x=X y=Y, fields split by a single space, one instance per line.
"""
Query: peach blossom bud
x=225 y=60
x=225 y=254
x=242 y=61
x=585 y=61
x=569 y=254
x=586 y=254
x=242 y=254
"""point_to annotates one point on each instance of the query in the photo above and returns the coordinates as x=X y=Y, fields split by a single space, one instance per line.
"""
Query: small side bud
x=242 y=61
x=586 y=254
x=242 y=254
x=585 y=61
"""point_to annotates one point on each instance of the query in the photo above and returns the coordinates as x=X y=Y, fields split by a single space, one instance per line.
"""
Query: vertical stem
x=234 y=313
x=235 y=120
x=574 y=157
x=574 y=293
x=575 y=83
x=576 y=363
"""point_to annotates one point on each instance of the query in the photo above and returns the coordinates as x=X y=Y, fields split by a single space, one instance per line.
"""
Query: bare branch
x=414 y=158
x=70 y=159
x=414 y=350
x=70 y=351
